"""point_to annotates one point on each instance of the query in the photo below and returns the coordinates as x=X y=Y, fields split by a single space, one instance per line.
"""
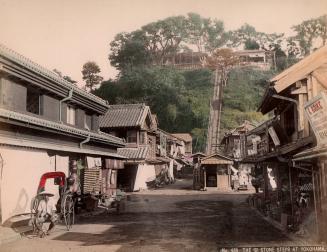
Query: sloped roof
x=20 y=60
x=299 y=70
x=139 y=153
x=183 y=136
x=32 y=120
x=246 y=52
x=291 y=75
x=216 y=158
x=262 y=126
x=198 y=154
x=244 y=127
x=125 y=115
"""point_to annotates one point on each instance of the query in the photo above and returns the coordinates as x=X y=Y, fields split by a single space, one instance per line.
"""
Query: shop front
x=216 y=172
x=312 y=196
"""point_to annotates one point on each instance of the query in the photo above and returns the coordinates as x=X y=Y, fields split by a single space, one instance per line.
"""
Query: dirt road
x=171 y=219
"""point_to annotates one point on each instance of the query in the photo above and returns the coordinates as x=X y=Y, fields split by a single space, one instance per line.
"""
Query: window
x=142 y=137
x=131 y=136
x=33 y=101
x=88 y=122
x=71 y=113
x=289 y=123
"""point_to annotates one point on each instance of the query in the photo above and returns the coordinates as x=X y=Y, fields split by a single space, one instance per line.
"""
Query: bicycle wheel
x=68 y=211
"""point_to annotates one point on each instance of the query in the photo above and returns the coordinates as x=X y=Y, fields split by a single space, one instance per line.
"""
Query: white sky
x=66 y=34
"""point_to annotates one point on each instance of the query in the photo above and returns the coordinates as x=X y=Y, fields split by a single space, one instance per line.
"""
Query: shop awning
x=111 y=163
x=316 y=152
x=53 y=146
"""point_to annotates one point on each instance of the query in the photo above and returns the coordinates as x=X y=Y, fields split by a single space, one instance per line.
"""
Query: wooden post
x=217 y=177
x=314 y=86
x=315 y=199
x=205 y=178
x=300 y=111
x=291 y=190
x=309 y=87
x=229 y=175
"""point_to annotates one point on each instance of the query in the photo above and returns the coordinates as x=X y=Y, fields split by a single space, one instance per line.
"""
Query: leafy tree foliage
x=242 y=96
x=309 y=32
x=128 y=50
x=90 y=73
x=181 y=98
x=153 y=42
x=206 y=34
x=251 y=44
x=248 y=37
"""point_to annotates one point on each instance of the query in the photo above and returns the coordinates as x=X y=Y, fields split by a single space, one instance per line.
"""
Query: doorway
x=211 y=176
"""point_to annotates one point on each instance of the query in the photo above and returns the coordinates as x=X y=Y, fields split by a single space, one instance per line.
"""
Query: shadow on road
x=212 y=223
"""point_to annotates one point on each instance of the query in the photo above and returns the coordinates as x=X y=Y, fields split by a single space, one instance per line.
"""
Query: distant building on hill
x=193 y=60
x=257 y=58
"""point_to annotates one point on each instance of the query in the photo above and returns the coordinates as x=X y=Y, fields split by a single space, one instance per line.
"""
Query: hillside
x=181 y=99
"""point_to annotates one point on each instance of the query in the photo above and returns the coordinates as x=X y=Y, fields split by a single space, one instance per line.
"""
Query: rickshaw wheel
x=68 y=211
x=36 y=215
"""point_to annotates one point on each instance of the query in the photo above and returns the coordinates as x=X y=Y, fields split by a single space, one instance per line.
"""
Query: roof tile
x=124 y=115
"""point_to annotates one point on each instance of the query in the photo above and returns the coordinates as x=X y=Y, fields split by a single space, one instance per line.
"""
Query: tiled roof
x=36 y=68
x=183 y=136
x=216 y=158
x=198 y=154
x=133 y=153
x=124 y=115
x=244 y=127
x=8 y=114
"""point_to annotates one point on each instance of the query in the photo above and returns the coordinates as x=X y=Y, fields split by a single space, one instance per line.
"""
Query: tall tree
x=164 y=37
x=91 y=75
x=204 y=33
x=222 y=60
x=153 y=42
x=248 y=37
x=311 y=33
x=128 y=50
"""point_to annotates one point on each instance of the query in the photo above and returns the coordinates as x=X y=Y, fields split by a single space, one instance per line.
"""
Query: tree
x=128 y=50
x=311 y=32
x=164 y=37
x=153 y=42
x=90 y=75
x=222 y=60
x=250 y=44
x=204 y=33
x=148 y=45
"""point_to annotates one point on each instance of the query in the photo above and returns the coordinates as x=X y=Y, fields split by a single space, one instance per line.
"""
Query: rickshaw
x=64 y=207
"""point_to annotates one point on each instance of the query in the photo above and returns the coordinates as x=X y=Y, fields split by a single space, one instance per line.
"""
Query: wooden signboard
x=316 y=112
x=273 y=136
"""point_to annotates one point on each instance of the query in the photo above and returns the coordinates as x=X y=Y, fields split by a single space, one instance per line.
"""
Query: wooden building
x=233 y=146
x=231 y=141
x=135 y=124
x=186 y=140
x=284 y=146
x=151 y=152
x=256 y=58
x=46 y=123
x=216 y=171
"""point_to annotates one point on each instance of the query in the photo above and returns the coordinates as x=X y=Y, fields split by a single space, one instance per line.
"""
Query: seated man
x=47 y=210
